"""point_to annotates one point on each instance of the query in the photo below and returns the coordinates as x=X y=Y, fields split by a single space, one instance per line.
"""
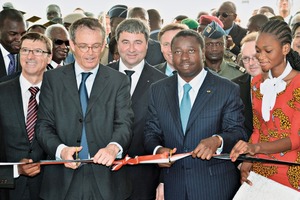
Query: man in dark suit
x=253 y=68
x=94 y=120
x=154 y=55
x=12 y=27
x=16 y=123
x=165 y=37
x=60 y=41
x=206 y=121
x=227 y=14
x=132 y=39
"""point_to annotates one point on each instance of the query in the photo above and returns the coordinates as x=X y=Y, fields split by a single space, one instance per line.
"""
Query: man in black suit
x=60 y=41
x=154 y=55
x=132 y=38
x=165 y=37
x=85 y=108
x=16 y=125
x=253 y=68
x=212 y=124
x=227 y=14
x=12 y=27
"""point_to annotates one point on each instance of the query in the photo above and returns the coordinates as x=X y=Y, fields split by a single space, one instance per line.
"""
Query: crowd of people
x=125 y=83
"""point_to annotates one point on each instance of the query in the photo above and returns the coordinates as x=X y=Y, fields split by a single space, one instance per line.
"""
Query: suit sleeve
x=45 y=126
x=233 y=120
x=153 y=133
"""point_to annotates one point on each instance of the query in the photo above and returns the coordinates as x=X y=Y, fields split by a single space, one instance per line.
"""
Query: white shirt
x=135 y=76
x=54 y=64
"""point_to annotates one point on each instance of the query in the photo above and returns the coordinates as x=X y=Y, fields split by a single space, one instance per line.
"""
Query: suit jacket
x=244 y=82
x=217 y=110
x=161 y=67
x=143 y=188
x=3 y=68
x=17 y=145
x=237 y=33
x=108 y=119
x=154 y=55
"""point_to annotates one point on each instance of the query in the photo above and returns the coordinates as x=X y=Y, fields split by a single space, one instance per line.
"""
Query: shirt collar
x=25 y=84
x=79 y=70
x=4 y=51
x=196 y=82
x=228 y=30
x=137 y=69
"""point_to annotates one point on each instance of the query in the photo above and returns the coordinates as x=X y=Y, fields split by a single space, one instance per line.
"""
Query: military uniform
x=229 y=70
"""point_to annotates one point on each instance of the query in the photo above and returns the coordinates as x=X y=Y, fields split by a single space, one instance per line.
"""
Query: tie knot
x=129 y=72
x=84 y=76
x=187 y=87
x=34 y=90
x=11 y=56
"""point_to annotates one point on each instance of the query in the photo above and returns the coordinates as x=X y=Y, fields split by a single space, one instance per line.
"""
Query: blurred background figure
x=191 y=23
x=296 y=37
x=155 y=22
x=256 y=22
x=284 y=9
x=53 y=11
x=207 y=19
x=179 y=18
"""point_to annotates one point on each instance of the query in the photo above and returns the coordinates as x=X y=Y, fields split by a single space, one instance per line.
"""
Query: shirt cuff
x=156 y=148
x=16 y=171
x=119 y=155
x=58 y=151
x=220 y=149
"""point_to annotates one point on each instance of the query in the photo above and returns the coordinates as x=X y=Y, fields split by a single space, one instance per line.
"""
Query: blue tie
x=83 y=154
x=11 y=66
x=185 y=106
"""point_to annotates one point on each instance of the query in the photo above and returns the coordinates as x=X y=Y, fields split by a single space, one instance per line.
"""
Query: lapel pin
x=208 y=91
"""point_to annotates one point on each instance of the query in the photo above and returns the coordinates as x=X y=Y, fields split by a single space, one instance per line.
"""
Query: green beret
x=192 y=24
x=213 y=31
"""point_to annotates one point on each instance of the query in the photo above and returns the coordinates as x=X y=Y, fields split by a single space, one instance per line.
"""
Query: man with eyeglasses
x=85 y=113
x=12 y=27
x=18 y=110
x=253 y=68
x=215 y=41
x=60 y=39
x=227 y=14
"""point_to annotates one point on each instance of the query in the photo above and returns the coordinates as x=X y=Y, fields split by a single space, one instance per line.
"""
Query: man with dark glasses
x=227 y=14
x=60 y=40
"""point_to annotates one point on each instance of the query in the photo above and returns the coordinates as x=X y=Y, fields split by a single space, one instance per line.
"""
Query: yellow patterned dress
x=284 y=122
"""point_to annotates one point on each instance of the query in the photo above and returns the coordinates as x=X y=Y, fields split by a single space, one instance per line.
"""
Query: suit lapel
x=171 y=91
x=70 y=85
x=99 y=86
x=143 y=84
x=2 y=65
x=16 y=101
x=205 y=92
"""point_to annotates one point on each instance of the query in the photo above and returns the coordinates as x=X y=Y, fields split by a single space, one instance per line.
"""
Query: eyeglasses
x=224 y=14
x=96 y=48
x=60 y=42
x=216 y=44
x=36 y=52
x=246 y=60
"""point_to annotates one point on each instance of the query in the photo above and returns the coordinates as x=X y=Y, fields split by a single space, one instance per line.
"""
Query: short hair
x=38 y=37
x=249 y=38
x=231 y=4
x=189 y=33
x=133 y=25
x=87 y=22
x=258 y=20
x=180 y=17
x=295 y=27
x=52 y=27
x=11 y=14
x=171 y=27
x=36 y=26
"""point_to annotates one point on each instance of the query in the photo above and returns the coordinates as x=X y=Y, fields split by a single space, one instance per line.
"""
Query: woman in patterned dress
x=276 y=108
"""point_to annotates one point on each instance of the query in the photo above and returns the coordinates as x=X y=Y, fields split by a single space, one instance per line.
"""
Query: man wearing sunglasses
x=60 y=40
x=227 y=14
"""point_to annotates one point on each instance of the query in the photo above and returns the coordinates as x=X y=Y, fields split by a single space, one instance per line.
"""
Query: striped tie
x=32 y=112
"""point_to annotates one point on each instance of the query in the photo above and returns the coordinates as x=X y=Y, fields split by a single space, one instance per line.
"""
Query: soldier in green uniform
x=215 y=46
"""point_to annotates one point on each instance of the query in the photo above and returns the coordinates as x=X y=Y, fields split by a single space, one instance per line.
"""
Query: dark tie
x=185 y=106
x=83 y=154
x=12 y=64
x=31 y=112
x=129 y=74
